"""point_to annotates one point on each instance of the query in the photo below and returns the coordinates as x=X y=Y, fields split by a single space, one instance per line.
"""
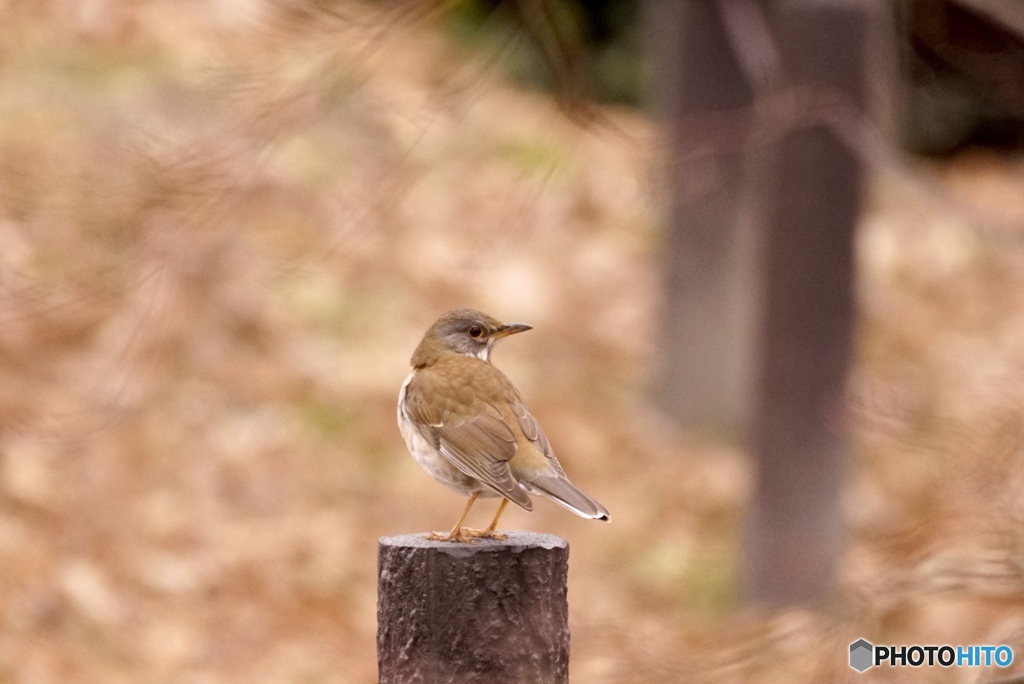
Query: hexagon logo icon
x=861 y=655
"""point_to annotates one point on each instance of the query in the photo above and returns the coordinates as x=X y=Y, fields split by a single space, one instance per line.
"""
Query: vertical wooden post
x=757 y=326
x=490 y=611
x=703 y=365
x=810 y=204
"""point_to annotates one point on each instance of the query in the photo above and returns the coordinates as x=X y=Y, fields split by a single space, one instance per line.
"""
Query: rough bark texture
x=491 y=611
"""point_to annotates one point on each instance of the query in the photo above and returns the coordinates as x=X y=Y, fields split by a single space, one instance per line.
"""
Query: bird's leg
x=489 y=532
x=456 y=533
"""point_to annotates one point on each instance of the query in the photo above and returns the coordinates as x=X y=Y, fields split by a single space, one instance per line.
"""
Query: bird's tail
x=561 y=491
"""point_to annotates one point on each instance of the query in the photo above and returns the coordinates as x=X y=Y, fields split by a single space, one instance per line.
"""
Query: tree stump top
x=516 y=541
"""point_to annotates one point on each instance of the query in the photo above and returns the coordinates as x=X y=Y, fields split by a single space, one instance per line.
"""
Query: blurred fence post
x=758 y=313
x=703 y=365
x=810 y=202
x=490 y=611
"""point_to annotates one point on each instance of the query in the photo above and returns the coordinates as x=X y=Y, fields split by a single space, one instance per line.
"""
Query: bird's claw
x=483 y=534
x=466 y=535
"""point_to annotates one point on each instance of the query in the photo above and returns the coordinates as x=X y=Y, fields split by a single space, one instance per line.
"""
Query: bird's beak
x=511 y=329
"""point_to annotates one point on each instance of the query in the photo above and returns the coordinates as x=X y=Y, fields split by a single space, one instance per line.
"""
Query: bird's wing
x=478 y=441
x=533 y=432
x=544 y=475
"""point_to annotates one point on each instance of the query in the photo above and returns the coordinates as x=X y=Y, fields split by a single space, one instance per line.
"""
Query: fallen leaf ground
x=224 y=227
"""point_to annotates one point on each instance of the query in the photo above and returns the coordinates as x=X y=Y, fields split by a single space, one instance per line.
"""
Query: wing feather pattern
x=480 y=445
x=551 y=480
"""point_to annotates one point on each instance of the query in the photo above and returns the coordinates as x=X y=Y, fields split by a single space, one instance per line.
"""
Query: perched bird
x=466 y=424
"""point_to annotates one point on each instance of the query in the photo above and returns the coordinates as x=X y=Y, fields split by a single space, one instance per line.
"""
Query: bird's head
x=463 y=331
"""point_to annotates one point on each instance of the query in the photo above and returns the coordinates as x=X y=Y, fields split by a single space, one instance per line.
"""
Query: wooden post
x=703 y=369
x=810 y=203
x=490 y=611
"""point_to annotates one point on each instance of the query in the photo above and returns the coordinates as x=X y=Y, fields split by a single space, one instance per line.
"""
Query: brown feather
x=471 y=433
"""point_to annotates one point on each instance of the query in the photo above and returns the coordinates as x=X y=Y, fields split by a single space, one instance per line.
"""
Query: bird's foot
x=488 y=533
x=466 y=535
x=453 y=536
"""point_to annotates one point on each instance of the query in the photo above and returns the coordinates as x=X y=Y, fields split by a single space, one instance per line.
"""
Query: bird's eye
x=476 y=331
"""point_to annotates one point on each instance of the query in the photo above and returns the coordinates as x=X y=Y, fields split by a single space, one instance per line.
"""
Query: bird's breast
x=425 y=453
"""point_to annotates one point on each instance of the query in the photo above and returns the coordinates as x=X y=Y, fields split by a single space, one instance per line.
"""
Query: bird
x=466 y=424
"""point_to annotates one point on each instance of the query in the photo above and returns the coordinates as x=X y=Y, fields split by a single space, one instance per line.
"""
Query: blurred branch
x=752 y=43
x=562 y=45
x=773 y=115
x=1009 y=14
x=555 y=27
x=779 y=108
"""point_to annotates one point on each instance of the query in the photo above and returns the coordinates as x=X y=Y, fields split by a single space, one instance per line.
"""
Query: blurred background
x=224 y=227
